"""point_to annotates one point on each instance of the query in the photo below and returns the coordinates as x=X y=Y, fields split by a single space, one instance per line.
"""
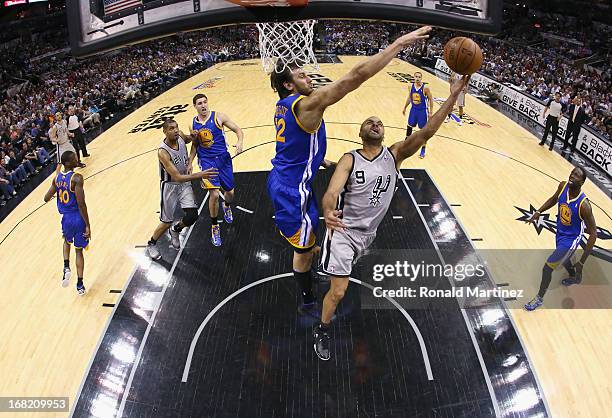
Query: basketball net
x=286 y=43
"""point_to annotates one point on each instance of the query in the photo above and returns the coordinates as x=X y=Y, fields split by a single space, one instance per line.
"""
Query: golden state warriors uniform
x=299 y=154
x=73 y=224
x=212 y=153
x=570 y=227
x=418 y=110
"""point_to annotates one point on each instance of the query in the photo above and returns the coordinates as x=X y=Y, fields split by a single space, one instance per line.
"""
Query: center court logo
x=157 y=118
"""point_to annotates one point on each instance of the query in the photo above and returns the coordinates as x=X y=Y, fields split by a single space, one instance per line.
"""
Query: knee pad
x=191 y=216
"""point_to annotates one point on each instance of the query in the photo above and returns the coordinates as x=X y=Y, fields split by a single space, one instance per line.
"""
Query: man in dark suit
x=576 y=116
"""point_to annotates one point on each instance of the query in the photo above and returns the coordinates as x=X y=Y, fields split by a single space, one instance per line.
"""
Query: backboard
x=100 y=25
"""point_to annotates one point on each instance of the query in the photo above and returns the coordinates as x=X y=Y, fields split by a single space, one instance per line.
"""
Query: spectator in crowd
x=26 y=155
x=22 y=170
x=6 y=186
x=91 y=117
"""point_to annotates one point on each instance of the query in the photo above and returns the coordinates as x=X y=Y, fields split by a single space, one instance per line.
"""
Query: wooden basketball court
x=487 y=169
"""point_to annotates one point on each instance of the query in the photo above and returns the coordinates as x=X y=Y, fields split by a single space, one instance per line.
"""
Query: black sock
x=152 y=241
x=66 y=263
x=80 y=281
x=408 y=130
x=324 y=327
x=546 y=277
x=570 y=268
x=213 y=220
x=177 y=227
x=304 y=280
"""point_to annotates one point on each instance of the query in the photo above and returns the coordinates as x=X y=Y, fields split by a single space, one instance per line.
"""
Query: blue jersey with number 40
x=66 y=198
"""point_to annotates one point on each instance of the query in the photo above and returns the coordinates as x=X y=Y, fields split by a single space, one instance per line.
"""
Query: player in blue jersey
x=68 y=186
x=210 y=147
x=422 y=106
x=301 y=143
x=574 y=211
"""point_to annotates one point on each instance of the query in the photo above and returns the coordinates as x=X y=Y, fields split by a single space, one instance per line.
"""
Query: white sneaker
x=66 y=277
x=175 y=242
x=153 y=251
x=446 y=120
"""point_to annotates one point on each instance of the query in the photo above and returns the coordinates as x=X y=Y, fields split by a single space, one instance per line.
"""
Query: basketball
x=463 y=55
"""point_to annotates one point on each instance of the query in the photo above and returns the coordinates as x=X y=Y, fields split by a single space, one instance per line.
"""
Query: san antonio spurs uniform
x=174 y=194
x=364 y=202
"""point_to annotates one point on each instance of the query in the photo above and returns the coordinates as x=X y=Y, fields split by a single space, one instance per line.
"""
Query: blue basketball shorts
x=566 y=246
x=417 y=117
x=295 y=212
x=73 y=229
x=225 y=177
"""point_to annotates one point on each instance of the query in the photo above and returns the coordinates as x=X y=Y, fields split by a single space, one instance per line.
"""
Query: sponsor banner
x=592 y=146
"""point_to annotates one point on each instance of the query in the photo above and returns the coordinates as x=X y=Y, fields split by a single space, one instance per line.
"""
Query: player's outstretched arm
x=79 y=191
x=232 y=126
x=552 y=201
x=311 y=108
x=169 y=166
x=404 y=149
x=51 y=192
x=332 y=216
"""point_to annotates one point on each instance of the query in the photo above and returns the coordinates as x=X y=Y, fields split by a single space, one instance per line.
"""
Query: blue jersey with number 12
x=299 y=152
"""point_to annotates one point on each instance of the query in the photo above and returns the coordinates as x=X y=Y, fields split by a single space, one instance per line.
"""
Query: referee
x=75 y=132
x=552 y=121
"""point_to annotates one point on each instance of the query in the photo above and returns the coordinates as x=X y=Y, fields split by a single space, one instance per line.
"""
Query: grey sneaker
x=153 y=252
x=174 y=238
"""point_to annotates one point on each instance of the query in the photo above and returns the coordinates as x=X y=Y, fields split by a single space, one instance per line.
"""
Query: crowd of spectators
x=98 y=88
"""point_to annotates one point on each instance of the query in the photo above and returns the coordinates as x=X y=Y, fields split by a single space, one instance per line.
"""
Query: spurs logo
x=545 y=223
x=379 y=189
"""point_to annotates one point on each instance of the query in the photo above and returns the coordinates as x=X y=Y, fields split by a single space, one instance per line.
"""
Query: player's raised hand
x=417 y=35
x=534 y=218
x=209 y=173
x=333 y=220
x=458 y=86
